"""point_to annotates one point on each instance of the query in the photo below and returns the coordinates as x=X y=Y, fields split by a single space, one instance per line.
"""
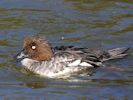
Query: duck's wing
x=91 y=56
x=77 y=58
x=105 y=55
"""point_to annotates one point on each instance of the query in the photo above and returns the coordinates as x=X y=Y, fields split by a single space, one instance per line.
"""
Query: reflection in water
x=82 y=23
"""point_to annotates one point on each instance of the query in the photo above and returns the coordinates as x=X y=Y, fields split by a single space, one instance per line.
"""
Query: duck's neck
x=29 y=63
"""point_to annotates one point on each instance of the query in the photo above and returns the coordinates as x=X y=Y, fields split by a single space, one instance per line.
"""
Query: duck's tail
x=115 y=53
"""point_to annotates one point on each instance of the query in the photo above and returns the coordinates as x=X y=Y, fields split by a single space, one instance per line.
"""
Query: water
x=83 y=23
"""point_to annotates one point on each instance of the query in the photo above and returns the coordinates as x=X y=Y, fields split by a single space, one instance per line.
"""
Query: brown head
x=37 y=49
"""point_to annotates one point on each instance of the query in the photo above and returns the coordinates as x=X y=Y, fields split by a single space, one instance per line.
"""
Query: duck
x=38 y=56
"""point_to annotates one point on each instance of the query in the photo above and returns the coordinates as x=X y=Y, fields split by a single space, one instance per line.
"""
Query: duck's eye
x=33 y=47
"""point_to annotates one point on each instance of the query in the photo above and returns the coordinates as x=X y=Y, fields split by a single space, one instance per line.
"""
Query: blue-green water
x=84 y=23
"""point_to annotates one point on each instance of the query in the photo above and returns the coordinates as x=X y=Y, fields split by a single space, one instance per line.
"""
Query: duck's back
x=91 y=56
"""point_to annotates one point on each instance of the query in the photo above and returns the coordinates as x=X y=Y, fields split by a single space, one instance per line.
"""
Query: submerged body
x=39 y=57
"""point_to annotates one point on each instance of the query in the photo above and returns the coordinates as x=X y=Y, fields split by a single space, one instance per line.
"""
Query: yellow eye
x=33 y=47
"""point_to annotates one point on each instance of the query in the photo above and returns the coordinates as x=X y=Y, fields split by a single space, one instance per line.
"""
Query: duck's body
x=39 y=57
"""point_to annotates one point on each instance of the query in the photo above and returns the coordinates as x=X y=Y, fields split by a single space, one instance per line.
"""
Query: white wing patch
x=85 y=64
x=79 y=63
x=75 y=63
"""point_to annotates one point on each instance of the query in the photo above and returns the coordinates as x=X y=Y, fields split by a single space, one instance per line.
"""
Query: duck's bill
x=21 y=55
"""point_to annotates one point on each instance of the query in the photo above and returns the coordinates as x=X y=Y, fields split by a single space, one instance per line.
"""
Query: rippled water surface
x=100 y=24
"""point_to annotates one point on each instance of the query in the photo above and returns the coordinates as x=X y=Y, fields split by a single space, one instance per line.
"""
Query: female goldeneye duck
x=39 y=57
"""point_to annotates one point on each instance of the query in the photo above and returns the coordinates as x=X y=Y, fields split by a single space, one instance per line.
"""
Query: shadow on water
x=83 y=23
